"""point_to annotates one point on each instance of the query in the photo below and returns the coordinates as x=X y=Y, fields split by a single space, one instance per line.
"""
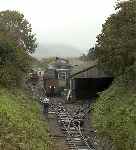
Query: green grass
x=21 y=123
x=114 y=115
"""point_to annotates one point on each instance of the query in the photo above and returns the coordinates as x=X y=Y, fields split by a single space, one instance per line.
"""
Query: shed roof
x=90 y=72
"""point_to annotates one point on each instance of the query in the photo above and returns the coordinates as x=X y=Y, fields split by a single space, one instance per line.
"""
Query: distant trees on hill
x=89 y=56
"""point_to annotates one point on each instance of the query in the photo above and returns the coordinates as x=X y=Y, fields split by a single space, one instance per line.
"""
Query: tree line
x=115 y=48
x=17 y=43
x=114 y=113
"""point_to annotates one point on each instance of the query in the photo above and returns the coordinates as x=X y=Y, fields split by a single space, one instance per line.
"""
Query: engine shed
x=86 y=83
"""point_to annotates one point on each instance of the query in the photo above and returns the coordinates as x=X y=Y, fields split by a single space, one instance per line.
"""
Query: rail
x=71 y=128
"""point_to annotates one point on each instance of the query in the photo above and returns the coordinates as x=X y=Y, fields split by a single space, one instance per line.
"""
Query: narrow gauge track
x=71 y=128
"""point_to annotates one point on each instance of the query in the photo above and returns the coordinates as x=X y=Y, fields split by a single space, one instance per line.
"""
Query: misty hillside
x=53 y=50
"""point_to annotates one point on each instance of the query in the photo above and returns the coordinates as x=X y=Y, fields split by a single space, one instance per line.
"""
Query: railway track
x=71 y=126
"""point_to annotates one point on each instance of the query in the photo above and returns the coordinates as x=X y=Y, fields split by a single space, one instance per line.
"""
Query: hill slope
x=20 y=125
x=59 y=50
x=114 y=116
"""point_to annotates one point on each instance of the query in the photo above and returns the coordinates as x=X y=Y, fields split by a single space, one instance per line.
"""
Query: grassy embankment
x=114 y=116
x=21 y=123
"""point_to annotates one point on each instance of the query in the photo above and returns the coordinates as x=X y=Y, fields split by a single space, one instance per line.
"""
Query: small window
x=62 y=75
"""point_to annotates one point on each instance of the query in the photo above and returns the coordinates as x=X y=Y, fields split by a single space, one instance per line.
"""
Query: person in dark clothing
x=45 y=102
x=46 y=107
x=52 y=91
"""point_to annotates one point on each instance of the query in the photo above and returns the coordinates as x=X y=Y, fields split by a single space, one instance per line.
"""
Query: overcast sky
x=70 y=22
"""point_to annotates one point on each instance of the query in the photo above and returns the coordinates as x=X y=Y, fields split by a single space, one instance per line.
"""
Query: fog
x=73 y=23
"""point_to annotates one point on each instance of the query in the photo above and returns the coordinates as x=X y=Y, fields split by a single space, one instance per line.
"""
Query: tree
x=91 y=54
x=114 y=114
x=16 y=43
x=115 y=47
x=18 y=28
x=7 y=51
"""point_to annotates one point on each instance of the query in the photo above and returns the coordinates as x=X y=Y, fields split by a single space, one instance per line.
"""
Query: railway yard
x=69 y=115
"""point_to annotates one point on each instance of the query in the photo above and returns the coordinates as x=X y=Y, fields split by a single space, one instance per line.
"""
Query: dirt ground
x=55 y=132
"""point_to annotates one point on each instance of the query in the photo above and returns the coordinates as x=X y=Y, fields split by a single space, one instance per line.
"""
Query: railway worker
x=45 y=102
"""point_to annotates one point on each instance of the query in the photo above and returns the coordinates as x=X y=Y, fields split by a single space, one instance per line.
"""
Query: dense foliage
x=115 y=48
x=13 y=24
x=114 y=113
x=22 y=126
x=16 y=43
